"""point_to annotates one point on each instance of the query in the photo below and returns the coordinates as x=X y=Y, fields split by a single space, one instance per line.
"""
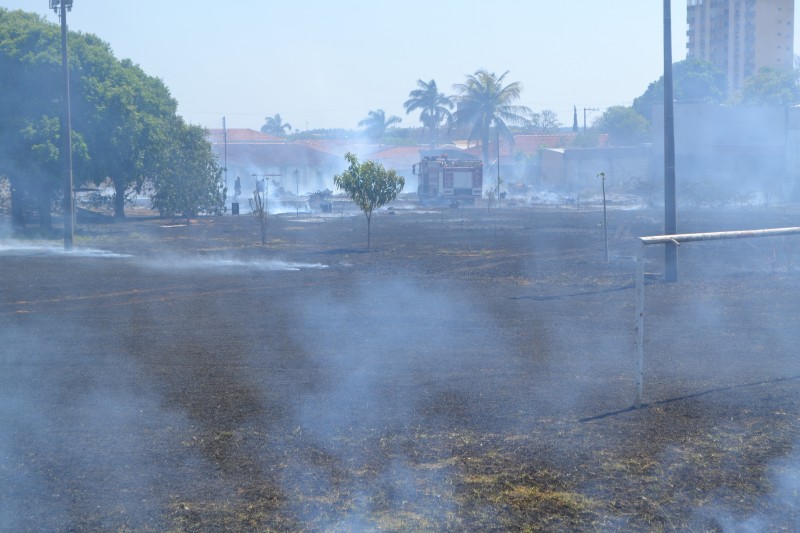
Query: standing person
x=237 y=187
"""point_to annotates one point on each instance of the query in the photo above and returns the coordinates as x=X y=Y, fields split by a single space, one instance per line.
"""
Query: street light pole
x=670 y=212
x=498 y=168
x=605 y=218
x=585 y=109
x=61 y=7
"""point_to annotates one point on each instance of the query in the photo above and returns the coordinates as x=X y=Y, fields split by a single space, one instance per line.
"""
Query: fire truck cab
x=444 y=180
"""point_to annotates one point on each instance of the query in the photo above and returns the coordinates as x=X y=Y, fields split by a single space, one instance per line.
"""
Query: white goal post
x=677 y=239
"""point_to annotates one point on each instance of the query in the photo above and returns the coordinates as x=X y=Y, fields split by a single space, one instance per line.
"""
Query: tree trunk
x=17 y=206
x=369 y=221
x=485 y=152
x=119 y=201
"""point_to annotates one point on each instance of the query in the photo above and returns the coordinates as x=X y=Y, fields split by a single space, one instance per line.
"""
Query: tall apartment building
x=741 y=36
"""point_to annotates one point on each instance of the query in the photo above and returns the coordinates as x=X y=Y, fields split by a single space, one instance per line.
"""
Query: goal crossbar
x=677 y=239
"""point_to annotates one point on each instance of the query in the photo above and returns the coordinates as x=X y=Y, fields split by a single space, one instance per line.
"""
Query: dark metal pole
x=605 y=217
x=670 y=216
x=66 y=138
x=225 y=148
x=498 y=167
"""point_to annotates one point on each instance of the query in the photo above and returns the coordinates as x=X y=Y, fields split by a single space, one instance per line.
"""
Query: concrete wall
x=575 y=170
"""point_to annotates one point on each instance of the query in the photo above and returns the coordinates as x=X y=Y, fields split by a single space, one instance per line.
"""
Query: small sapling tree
x=602 y=176
x=259 y=209
x=369 y=185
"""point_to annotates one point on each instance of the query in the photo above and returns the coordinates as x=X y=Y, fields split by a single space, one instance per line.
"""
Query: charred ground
x=473 y=371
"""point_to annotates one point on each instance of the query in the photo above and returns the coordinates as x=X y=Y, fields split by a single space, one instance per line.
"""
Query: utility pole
x=670 y=215
x=585 y=109
x=61 y=7
x=225 y=150
x=605 y=217
x=498 y=167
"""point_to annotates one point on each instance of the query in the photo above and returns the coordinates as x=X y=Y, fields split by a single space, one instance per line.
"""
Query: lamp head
x=56 y=4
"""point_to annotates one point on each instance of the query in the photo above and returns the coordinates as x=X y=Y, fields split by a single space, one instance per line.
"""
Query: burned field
x=473 y=372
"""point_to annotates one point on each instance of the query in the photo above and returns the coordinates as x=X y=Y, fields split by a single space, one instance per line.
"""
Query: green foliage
x=484 y=103
x=771 y=86
x=692 y=80
x=434 y=106
x=31 y=103
x=130 y=127
x=192 y=181
x=124 y=121
x=369 y=185
x=586 y=139
x=624 y=126
x=275 y=126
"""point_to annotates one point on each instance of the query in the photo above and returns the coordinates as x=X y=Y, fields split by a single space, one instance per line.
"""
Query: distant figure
x=237 y=187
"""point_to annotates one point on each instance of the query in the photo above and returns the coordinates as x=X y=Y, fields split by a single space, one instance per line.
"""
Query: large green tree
x=130 y=140
x=369 y=185
x=192 y=182
x=624 y=126
x=433 y=105
x=30 y=107
x=485 y=104
x=693 y=80
x=376 y=123
x=771 y=86
x=123 y=119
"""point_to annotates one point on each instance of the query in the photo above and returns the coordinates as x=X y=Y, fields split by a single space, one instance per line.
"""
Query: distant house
x=401 y=159
x=252 y=155
x=240 y=135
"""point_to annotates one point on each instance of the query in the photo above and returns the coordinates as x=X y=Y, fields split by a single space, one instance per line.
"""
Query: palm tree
x=276 y=126
x=435 y=107
x=376 y=123
x=485 y=104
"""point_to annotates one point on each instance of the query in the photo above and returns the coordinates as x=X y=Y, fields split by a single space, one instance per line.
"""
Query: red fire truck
x=454 y=181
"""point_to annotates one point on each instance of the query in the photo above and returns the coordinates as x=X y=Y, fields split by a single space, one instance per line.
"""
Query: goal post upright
x=639 y=324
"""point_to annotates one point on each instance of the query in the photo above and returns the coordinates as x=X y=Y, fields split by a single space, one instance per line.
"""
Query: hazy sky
x=325 y=64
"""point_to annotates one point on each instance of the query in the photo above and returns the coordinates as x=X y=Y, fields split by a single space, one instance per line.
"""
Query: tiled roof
x=397 y=156
x=240 y=135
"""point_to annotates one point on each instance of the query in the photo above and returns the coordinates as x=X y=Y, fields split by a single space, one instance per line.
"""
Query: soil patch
x=473 y=371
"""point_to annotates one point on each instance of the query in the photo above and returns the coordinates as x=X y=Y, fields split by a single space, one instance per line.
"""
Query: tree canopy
x=485 y=103
x=771 y=86
x=192 y=181
x=369 y=185
x=275 y=125
x=692 y=80
x=624 y=126
x=434 y=106
x=124 y=121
